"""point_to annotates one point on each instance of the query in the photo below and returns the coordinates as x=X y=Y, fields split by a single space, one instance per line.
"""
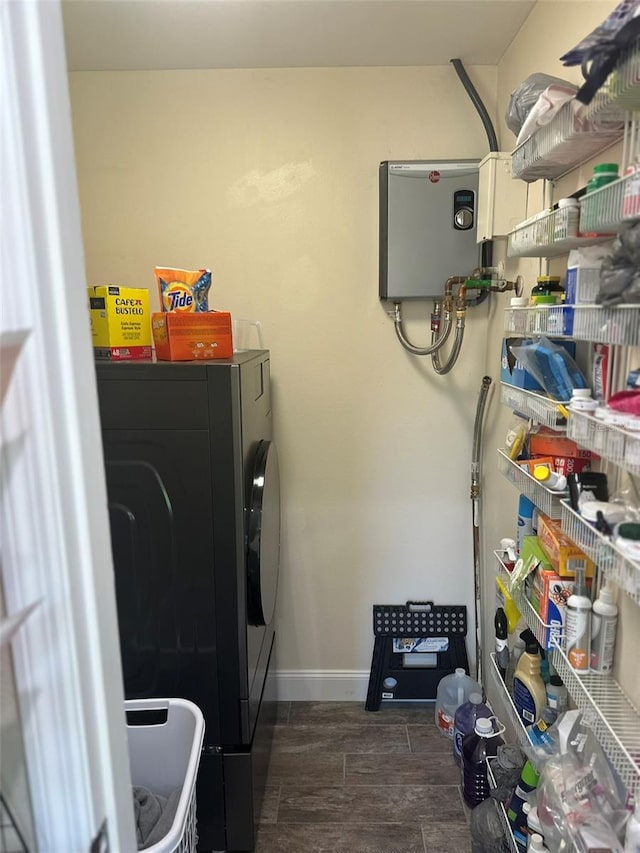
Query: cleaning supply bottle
x=577 y=631
x=516 y=652
x=557 y=694
x=529 y=693
x=604 y=621
x=544 y=666
x=453 y=691
x=538 y=732
x=536 y=844
x=632 y=836
x=479 y=744
x=526 y=509
x=504 y=600
x=465 y=721
x=533 y=824
x=502 y=645
x=517 y=816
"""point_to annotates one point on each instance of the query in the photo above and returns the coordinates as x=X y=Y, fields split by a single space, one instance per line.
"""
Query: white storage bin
x=165 y=756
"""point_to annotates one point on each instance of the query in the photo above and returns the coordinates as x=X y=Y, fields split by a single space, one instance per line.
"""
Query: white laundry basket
x=165 y=756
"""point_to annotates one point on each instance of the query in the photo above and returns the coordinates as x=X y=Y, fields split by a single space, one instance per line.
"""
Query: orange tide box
x=189 y=337
x=120 y=327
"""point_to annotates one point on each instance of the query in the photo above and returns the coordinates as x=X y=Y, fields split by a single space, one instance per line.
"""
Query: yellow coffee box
x=120 y=322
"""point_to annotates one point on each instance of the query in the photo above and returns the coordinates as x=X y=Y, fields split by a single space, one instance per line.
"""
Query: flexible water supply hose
x=475 y=505
x=436 y=343
x=442 y=369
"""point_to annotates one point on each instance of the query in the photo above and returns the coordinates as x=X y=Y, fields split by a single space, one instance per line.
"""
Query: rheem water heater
x=427 y=226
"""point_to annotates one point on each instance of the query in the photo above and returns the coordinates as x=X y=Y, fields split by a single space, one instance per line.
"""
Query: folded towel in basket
x=154 y=815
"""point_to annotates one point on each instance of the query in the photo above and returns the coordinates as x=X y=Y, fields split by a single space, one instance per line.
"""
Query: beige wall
x=550 y=29
x=271 y=179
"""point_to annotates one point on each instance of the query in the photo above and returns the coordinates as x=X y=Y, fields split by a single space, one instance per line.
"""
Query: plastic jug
x=465 y=720
x=247 y=334
x=453 y=690
x=483 y=741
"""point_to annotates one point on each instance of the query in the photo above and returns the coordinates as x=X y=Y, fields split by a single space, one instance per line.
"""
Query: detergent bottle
x=529 y=693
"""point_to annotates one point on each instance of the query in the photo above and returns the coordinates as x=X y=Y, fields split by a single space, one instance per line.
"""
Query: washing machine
x=194 y=507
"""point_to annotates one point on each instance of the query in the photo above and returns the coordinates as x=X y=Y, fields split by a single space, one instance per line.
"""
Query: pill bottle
x=632 y=440
x=547 y=285
x=567 y=219
x=519 y=317
x=603 y=174
x=582 y=401
x=614 y=446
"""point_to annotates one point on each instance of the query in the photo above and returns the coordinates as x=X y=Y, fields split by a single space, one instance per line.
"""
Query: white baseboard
x=334 y=685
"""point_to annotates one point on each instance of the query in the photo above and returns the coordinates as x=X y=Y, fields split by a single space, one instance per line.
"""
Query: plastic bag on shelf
x=619 y=277
x=524 y=97
x=551 y=365
x=487 y=828
x=579 y=796
x=517 y=434
x=553 y=741
x=546 y=108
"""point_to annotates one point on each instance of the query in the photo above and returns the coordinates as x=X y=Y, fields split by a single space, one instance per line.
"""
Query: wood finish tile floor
x=344 y=780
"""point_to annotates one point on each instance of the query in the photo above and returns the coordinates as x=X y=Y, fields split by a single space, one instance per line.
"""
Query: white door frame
x=55 y=535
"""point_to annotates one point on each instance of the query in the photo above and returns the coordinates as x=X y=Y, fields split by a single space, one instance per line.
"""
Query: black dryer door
x=263 y=542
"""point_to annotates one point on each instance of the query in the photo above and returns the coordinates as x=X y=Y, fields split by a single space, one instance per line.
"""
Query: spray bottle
x=518 y=649
x=604 y=622
x=502 y=645
x=577 y=636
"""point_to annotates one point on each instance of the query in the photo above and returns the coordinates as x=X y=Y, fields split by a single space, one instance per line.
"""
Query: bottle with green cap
x=603 y=174
x=547 y=286
x=515 y=812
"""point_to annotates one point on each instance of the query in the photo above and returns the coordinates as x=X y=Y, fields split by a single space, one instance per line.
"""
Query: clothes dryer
x=194 y=505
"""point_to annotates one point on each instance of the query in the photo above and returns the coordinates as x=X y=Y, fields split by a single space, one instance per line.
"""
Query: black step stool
x=392 y=676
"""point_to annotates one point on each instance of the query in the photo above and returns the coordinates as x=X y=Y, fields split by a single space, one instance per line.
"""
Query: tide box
x=564 y=555
x=192 y=337
x=120 y=322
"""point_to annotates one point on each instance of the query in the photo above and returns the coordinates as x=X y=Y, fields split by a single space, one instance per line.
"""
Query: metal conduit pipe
x=436 y=342
x=477 y=103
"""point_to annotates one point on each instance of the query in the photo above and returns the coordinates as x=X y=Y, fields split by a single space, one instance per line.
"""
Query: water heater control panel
x=464 y=209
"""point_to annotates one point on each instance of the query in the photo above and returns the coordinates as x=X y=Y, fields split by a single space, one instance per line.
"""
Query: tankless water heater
x=427 y=226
